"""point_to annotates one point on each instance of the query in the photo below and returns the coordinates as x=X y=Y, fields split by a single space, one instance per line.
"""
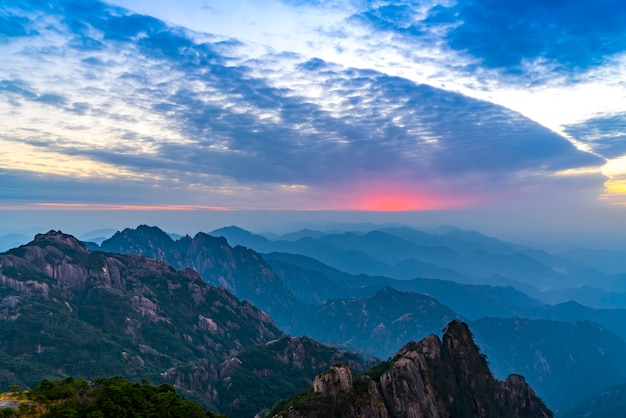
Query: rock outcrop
x=430 y=378
x=238 y=269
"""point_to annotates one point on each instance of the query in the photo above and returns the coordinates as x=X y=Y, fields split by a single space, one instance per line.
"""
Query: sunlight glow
x=398 y=199
x=615 y=186
x=395 y=203
x=25 y=157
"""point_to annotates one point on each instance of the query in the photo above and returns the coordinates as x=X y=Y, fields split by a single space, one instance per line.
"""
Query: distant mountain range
x=375 y=315
x=462 y=256
x=610 y=403
x=210 y=345
x=9 y=241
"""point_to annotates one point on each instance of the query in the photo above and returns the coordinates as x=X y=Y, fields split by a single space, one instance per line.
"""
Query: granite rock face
x=62 y=306
x=238 y=269
x=434 y=377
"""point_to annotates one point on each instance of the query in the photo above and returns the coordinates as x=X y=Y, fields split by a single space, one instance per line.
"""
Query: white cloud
x=274 y=23
x=327 y=31
x=209 y=124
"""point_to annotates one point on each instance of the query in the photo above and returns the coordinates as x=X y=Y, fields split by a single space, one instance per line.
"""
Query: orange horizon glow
x=399 y=201
x=395 y=203
x=112 y=207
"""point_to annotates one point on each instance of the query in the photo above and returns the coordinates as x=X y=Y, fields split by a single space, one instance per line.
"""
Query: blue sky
x=482 y=107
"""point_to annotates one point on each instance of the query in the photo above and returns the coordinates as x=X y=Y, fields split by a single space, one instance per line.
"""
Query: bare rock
x=337 y=379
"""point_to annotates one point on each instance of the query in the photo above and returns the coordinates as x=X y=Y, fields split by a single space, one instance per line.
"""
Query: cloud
x=197 y=121
x=570 y=35
x=605 y=135
x=22 y=186
x=416 y=40
x=21 y=89
x=377 y=128
x=17 y=88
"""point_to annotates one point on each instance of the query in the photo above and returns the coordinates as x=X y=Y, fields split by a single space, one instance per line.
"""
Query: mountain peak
x=145 y=230
x=59 y=240
x=456 y=333
x=428 y=378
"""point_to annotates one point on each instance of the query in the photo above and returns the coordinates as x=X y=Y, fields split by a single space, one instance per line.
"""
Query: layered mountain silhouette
x=610 y=403
x=375 y=315
x=462 y=256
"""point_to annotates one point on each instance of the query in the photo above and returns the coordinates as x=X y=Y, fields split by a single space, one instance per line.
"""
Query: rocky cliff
x=434 y=377
x=238 y=269
x=66 y=310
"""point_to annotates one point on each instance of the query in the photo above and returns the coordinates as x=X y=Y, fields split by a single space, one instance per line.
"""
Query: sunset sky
x=477 y=113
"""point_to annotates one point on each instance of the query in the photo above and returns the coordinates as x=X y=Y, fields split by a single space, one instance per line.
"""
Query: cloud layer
x=109 y=106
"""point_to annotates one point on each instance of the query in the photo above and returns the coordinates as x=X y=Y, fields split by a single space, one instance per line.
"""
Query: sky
x=499 y=115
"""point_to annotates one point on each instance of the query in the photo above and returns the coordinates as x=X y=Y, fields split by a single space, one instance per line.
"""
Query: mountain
x=8 y=241
x=240 y=236
x=414 y=254
x=613 y=320
x=276 y=370
x=97 y=236
x=308 y=286
x=116 y=314
x=367 y=324
x=302 y=233
x=563 y=361
x=239 y=269
x=592 y=297
x=536 y=348
x=470 y=242
x=389 y=248
x=66 y=310
x=554 y=356
x=378 y=324
x=353 y=261
x=433 y=378
x=610 y=403
x=376 y=315
x=313 y=282
x=610 y=261
x=452 y=254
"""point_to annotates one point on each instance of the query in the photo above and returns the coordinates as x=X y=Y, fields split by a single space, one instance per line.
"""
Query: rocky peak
x=519 y=397
x=429 y=347
x=472 y=374
x=238 y=269
x=429 y=378
x=335 y=380
x=60 y=241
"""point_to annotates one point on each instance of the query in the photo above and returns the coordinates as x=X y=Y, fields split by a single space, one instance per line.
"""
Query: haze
x=498 y=116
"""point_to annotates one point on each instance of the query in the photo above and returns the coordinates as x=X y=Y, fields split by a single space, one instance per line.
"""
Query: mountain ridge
x=68 y=311
x=433 y=377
